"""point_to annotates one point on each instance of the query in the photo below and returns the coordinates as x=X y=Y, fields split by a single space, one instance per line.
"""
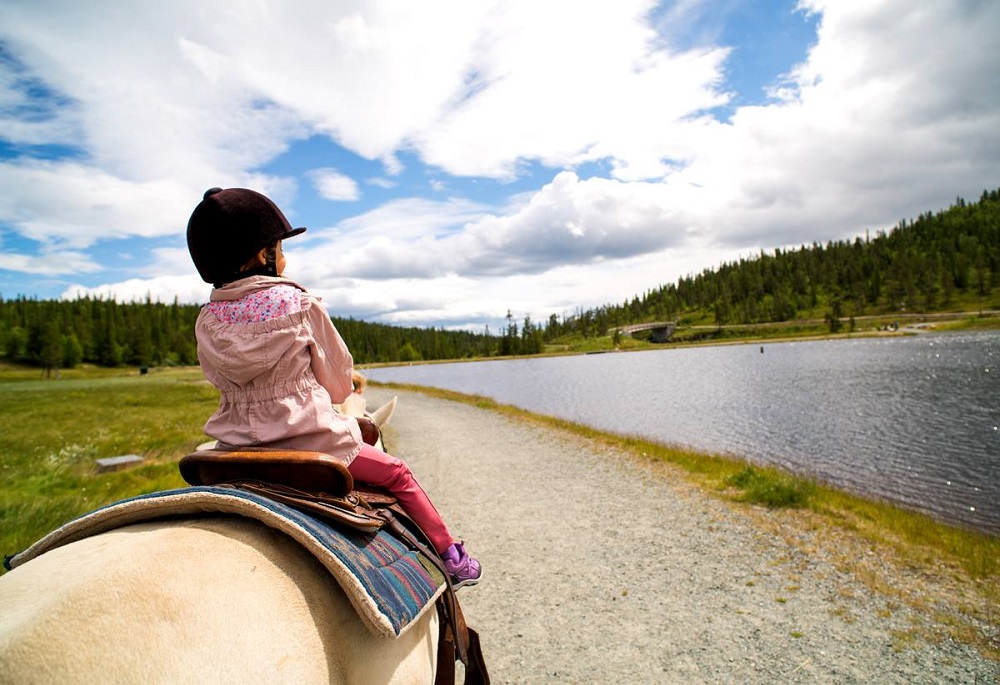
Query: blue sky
x=457 y=160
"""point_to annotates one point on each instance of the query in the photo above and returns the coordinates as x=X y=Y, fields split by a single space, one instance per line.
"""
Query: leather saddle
x=303 y=470
x=321 y=485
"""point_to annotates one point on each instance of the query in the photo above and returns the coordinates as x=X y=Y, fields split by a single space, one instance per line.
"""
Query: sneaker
x=463 y=569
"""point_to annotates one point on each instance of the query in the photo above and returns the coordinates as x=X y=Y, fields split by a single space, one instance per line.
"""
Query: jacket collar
x=245 y=286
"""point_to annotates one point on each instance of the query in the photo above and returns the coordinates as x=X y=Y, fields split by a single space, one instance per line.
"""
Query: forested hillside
x=945 y=261
x=64 y=333
x=56 y=334
x=375 y=342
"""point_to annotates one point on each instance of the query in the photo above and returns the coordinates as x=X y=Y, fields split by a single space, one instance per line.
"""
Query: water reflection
x=913 y=420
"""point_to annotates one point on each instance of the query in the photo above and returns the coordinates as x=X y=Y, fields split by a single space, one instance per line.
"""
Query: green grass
x=771 y=488
x=53 y=431
x=971 y=323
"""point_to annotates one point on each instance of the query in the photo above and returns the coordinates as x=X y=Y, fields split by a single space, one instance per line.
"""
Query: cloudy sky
x=456 y=160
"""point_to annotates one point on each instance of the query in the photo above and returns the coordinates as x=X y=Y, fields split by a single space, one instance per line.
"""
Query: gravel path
x=599 y=569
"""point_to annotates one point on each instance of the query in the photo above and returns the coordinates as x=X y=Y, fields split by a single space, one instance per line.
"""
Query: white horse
x=212 y=600
x=219 y=600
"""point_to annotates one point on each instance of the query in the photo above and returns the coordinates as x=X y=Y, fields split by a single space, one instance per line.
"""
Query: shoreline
x=953 y=321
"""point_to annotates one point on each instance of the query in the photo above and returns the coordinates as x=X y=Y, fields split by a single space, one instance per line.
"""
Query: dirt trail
x=602 y=570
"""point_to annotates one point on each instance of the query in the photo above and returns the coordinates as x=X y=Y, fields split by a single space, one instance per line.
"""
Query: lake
x=913 y=420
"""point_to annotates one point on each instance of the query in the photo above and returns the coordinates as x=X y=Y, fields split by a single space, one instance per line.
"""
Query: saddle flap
x=299 y=469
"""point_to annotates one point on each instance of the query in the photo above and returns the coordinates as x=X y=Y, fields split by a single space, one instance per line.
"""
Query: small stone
x=109 y=464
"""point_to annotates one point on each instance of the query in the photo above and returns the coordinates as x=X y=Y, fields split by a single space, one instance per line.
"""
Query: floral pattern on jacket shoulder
x=260 y=305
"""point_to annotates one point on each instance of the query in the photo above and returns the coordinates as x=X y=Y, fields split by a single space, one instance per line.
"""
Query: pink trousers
x=375 y=467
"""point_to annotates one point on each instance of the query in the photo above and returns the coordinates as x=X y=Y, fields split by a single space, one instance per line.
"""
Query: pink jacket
x=278 y=378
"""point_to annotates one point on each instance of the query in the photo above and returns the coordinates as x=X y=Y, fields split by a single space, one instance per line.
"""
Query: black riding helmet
x=230 y=226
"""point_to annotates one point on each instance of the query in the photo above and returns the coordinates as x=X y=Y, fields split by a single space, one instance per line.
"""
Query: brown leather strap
x=444 y=674
x=475 y=670
x=351 y=510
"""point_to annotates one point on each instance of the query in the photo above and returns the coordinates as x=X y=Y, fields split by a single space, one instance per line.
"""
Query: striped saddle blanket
x=388 y=583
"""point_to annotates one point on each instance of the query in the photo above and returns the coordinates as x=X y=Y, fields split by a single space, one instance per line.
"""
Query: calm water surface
x=913 y=420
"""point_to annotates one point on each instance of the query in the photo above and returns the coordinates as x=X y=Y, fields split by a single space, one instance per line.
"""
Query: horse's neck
x=354 y=405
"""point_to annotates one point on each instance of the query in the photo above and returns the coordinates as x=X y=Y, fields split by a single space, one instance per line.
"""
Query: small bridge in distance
x=660 y=331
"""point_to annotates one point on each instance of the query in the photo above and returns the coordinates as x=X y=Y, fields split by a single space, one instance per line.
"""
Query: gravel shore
x=601 y=569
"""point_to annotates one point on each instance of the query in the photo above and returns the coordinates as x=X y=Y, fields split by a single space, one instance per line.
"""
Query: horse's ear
x=382 y=415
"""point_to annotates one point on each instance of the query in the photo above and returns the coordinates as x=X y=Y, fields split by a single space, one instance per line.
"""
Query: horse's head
x=355 y=405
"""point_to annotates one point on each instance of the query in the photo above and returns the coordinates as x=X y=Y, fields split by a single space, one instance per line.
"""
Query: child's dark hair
x=271 y=260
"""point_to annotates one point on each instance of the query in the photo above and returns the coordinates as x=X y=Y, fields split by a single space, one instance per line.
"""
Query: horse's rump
x=389 y=584
x=215 y=599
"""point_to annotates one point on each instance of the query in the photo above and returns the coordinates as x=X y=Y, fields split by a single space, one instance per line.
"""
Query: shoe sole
x=468 y=582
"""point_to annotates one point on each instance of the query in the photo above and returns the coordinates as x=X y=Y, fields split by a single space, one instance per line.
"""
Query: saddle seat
x=312 y=481
x=299 y=469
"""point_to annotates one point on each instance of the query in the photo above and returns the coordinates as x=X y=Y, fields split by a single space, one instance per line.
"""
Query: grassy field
x=53 y=431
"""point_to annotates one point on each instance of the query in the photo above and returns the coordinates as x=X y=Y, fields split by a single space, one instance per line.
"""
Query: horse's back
x=213 y=600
